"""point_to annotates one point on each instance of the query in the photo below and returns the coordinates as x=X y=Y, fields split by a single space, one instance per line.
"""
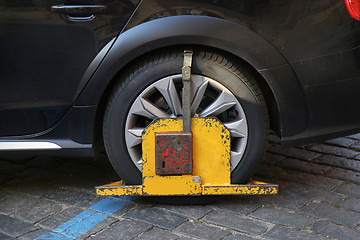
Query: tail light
x=353 y=7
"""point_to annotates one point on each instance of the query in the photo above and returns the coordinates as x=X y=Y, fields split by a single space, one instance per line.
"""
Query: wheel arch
x=275 y=77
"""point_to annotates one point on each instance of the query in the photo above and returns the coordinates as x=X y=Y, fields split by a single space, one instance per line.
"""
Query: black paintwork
x=54 y=71
x=44 y=56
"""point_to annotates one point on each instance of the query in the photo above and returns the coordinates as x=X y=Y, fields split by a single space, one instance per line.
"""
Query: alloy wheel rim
x=209 y=98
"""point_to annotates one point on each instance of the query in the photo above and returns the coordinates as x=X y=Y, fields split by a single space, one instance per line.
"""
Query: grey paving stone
x=9 y=168
x=272 y=159
x=4 y=179
x=36 y=189
x=339 y=151
x=143 y=201
x=71 y=197
x=337 y=215
x=357 y=157
x=59 y=218
x=267 y=171
x=332 y=230
x=284 y=201
x=4 y=194
x=195 y=212
x=34 y=234
x=310 y=179
x=351 y=204
x=274 y=138
x=274 y=215
x=6 y=237
x=124 y=209
x=37 y=174
x=202 y=231
x=280 y=232
x=37 y=211
x=184 y=238
x=356 y=146
x=230 y=220
x=107 y=178
x=355 y=136
x=343 y=174
x=16 y=157
x=11 y=204
x=45 y=162
x=349 y=189
x=156 y=217
x=14 y=227
x=125 y=229
x=238 y=237
x=302 y=191
x=299 y=165
x=87 y=183
x=342 y=142
x=78 y=169
x=98 y=227
x=294 y=153
x=243 y=206
x=98 y=199
x=157 y=234
x=339 y=162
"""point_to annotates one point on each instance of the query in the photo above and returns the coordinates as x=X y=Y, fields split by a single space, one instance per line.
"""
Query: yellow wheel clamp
x=186 y=157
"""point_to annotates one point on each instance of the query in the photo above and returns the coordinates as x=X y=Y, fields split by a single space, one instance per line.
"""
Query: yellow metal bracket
x=211 y=165
x=252 y=188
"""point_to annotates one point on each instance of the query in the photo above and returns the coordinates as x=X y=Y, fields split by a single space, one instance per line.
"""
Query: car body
x=59 y=65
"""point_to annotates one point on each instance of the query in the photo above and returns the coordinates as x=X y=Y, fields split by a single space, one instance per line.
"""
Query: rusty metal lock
x=173 y=153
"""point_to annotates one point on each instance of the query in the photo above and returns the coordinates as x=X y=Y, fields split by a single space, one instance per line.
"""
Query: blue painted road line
x=80 y=224
x=123 y=198
x=53 y=236
x=84 y=221
x=107 y=206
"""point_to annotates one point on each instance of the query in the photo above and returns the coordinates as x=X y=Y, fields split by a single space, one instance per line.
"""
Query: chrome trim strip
x=40 y=145
x=28 y=145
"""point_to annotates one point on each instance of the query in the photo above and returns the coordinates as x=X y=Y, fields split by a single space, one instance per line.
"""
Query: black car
x=91 y=75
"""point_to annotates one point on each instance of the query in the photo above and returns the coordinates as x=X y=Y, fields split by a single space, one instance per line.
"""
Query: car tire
x=131 y=107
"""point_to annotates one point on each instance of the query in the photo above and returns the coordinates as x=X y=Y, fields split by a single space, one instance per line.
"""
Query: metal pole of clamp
x=186 y=92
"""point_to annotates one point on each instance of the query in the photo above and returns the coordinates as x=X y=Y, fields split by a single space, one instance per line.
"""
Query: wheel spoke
x=139 y=164
x=235 y=158
x=199 y=88
x=237 y=128
x=164 y=93
x=225 y=101
x=147 y=109
x=133 y=137
x=168 y=91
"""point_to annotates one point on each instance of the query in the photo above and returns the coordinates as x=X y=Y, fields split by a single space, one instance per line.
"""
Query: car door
x=46 y=47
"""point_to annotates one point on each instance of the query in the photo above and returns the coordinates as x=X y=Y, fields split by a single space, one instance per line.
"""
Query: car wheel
x=152 y=89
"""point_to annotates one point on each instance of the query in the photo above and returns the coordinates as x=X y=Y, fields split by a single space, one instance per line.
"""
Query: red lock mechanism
x=173 y=153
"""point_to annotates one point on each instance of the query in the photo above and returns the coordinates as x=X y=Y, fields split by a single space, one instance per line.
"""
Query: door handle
x=79 y=12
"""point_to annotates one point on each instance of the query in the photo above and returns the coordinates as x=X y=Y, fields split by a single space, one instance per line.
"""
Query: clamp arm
x=186 y=92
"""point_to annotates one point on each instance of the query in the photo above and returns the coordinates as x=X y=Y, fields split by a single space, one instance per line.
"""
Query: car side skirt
x=50 y=144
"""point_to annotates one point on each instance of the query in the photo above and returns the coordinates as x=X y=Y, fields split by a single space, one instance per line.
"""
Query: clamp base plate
x=211 y=174
x=252 y=188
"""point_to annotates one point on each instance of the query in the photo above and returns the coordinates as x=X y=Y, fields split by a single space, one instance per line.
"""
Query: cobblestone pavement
x=54 y=198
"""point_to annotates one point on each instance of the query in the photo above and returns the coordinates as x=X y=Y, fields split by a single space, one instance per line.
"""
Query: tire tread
x=160 y=57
